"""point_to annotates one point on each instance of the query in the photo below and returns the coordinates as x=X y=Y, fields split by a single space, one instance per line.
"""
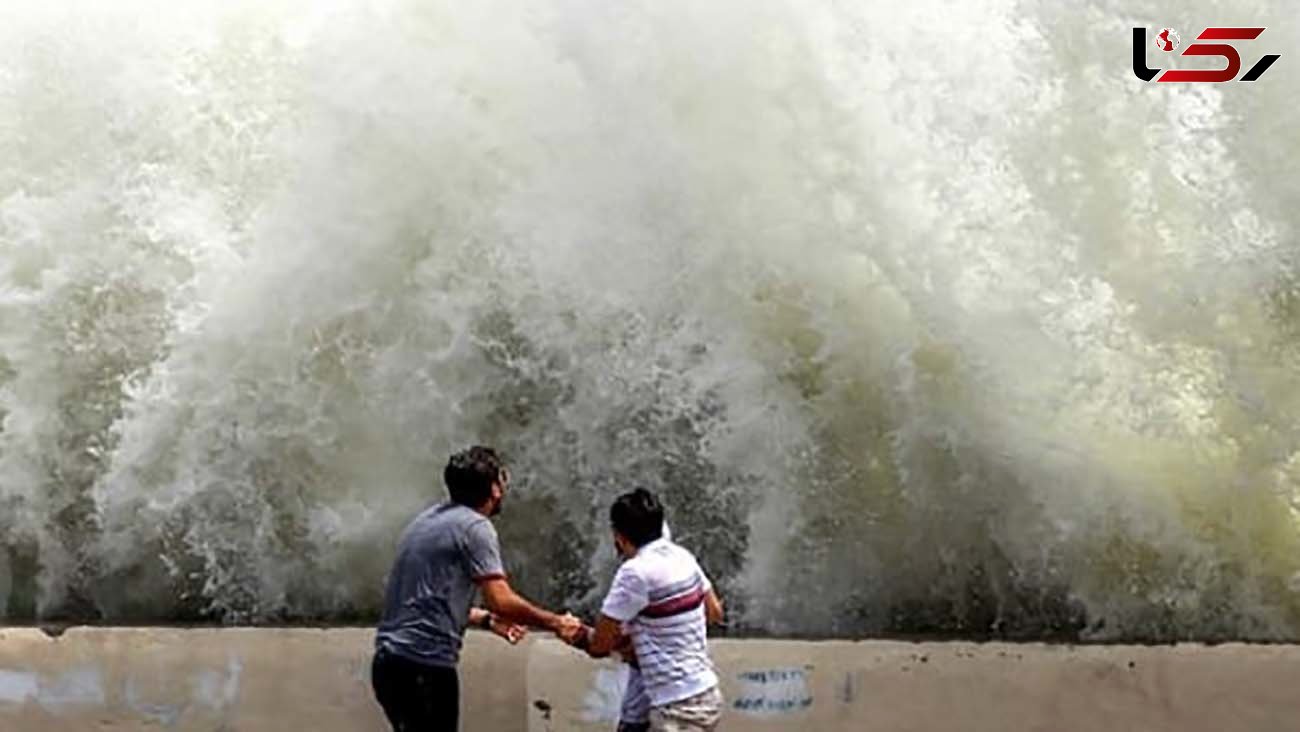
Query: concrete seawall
x=244 y=680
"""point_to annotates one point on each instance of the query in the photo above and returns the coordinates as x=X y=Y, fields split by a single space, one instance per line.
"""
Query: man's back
x=659 y=594
x=427 y=600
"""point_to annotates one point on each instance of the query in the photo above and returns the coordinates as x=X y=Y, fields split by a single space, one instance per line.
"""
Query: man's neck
x=485 y=510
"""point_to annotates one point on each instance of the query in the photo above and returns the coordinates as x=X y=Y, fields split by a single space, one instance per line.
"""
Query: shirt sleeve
x=627 y=596
x=483 y=551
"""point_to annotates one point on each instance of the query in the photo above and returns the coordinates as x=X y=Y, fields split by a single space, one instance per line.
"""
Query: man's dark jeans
x=416 y=697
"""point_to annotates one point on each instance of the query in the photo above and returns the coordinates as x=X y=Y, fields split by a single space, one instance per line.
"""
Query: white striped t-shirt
x=659 y=597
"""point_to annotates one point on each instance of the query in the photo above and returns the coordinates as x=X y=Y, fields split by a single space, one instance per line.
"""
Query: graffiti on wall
x=773 y=691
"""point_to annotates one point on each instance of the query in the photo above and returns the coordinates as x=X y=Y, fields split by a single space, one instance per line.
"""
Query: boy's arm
x=608 y=636
x=627 y=597
x=600 y=641
x=713 y=610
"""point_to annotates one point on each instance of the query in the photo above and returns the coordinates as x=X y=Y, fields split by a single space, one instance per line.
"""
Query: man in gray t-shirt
x=440 y=556
x=447 y=552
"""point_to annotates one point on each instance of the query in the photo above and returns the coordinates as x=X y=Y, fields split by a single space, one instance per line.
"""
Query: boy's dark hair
x=469 y=475
x=638 y=516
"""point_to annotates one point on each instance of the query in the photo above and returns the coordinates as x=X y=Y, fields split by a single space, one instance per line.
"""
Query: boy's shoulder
x=661 y=561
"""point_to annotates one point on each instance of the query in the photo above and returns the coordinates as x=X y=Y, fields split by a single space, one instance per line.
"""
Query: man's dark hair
x=638 y=516
x=469 y=475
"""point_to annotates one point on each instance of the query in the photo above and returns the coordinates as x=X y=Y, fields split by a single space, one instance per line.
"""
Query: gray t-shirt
x=426 y=606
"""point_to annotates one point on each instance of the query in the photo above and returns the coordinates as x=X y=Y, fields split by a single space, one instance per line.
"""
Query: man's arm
x=504 y=601
x=482 y=553
x=479 y=617
x=512 y=632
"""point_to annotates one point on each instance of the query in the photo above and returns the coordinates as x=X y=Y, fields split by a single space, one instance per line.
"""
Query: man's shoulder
x=449 y=519
x=453 y=514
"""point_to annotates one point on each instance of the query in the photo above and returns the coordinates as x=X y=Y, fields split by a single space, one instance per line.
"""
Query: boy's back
x=661 y=599
x=659 y=596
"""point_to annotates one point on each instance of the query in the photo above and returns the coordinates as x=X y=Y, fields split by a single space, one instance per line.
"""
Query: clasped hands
x=568 y=628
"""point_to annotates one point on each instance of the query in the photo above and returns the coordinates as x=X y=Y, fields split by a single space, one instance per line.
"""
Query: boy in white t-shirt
x=634 y=712
x=662 y=600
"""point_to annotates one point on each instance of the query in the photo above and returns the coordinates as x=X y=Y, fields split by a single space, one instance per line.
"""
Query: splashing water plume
x=923 y=318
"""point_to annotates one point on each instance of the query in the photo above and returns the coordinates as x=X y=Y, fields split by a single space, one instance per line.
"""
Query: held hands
x=569 y=628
